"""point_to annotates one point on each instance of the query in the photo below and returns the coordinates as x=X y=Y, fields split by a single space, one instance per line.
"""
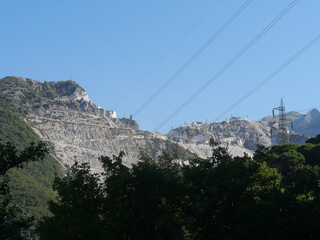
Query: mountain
x=240 y=135
x=62 y=114
x=293 y=115
x=307 y=124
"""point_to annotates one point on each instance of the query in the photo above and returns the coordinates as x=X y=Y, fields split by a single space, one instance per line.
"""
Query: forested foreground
x=274 y=195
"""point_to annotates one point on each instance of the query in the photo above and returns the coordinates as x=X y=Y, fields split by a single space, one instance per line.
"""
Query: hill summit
x=79 y=130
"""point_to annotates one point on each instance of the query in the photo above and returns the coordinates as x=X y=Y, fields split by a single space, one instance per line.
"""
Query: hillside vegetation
x=273 y=196
x=31 y=187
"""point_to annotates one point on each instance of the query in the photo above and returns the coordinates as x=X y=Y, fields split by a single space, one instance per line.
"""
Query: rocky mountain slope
x=79 y=130
x=308 y=124
x=62 y=113
x=240 y=135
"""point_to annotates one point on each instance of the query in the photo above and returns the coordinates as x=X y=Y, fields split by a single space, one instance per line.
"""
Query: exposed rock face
x=293 y=115
x=79 y=130
x=84 y=137
x=63 y=114
x=36 y=96
x=308 y=124
x=240 y=135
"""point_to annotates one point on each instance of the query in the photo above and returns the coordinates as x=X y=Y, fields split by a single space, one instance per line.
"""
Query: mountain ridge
x=308 y=123
x=79 y=130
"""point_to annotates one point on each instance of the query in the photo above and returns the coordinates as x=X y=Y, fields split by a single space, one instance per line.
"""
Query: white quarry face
x=79 y=130
x=239 y=135
x=113 y=114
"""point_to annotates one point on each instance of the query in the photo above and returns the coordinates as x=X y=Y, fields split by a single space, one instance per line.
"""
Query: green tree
x=225 y=199
x=305 y=151
x=284 y=157
x=297 y=203
x=143 y=201
x=77 y=211
x=315 y=140
x=12 y=220
x=30 y=187
x=313 y=158
x=274 y=195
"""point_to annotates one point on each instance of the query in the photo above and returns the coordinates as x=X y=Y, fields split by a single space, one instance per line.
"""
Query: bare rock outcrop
x=62 y=114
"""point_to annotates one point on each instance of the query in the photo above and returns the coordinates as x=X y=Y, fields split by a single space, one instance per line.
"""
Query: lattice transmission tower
x=282 y=131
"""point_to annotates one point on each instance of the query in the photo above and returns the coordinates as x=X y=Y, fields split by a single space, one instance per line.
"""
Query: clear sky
x=112 y=48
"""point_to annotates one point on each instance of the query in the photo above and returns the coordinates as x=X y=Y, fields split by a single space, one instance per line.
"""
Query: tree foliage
x=12 y=219
x=77 y=211
x=30 y=186
x=274 y=195
x=315 y=140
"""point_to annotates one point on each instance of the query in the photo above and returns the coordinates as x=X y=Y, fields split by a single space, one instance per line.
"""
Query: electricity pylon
x=282 y=131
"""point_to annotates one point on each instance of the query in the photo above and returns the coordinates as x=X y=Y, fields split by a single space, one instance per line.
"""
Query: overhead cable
x=193 y=57
x=315 y=125
x=272 y=75
x=165 y=55
x=308 y=109
x=230 y=63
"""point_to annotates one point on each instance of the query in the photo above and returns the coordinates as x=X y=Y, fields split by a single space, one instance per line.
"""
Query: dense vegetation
x=31 y=187
x=274 y=195
x=12 y=220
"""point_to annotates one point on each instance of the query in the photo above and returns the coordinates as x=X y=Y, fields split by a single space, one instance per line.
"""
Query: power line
x=233 y=60
x=166 y=54
x=194 y=56
x=272 y=75
x=229 y=124
x=308 y=109
x=316 y=125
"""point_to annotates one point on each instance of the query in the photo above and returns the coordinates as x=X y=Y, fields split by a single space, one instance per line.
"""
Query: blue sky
x=109 y=47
